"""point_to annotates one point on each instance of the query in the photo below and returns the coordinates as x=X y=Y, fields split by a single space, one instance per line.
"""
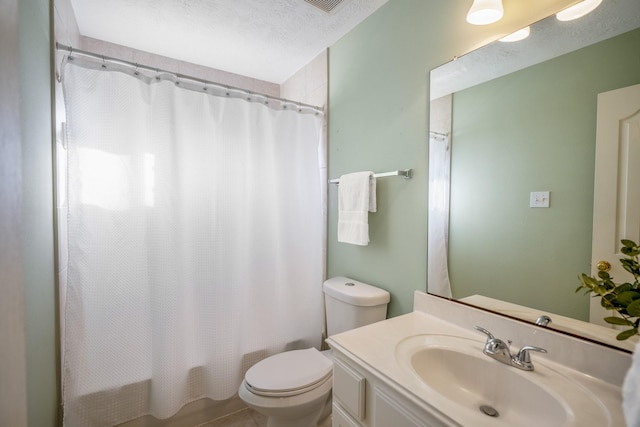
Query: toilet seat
x=289 y=373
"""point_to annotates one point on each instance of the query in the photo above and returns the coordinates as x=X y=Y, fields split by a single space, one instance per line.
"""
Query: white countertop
x=374 y=346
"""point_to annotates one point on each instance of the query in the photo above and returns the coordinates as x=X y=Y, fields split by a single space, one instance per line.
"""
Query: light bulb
x=485 y=12
x=578 y=10
x=517 y=36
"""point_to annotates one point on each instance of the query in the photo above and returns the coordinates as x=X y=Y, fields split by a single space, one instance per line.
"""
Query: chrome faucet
x=499 y=350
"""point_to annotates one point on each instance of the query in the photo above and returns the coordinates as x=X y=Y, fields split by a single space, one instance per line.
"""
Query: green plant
x=623 y=298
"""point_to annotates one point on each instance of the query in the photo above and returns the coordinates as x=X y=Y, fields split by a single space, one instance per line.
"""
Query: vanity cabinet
x=362 y=398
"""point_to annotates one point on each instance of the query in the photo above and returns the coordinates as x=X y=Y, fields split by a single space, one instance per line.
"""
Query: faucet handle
x=523 y=358
x=483 y=330
x=543 y=320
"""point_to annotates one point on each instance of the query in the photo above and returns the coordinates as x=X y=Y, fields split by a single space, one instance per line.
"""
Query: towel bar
x=406 y=173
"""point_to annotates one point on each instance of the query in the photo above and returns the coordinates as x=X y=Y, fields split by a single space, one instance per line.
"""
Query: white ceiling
x=264 y=39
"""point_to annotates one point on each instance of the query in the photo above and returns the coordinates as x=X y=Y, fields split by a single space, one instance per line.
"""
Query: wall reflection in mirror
x=518 y=118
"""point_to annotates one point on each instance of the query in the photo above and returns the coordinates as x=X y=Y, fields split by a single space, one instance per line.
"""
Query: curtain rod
x=181 y=77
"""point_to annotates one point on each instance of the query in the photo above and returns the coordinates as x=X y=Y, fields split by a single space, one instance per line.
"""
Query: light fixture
x=485 y=12
x=578 y=10
x=517 y=36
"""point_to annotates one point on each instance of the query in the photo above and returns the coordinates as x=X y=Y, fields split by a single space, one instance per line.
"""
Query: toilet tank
x=350 y=304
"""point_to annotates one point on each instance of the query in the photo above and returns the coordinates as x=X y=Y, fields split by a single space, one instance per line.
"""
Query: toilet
x=293 y=388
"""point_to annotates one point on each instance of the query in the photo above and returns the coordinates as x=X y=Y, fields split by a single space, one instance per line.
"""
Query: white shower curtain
x=438 y=282
x=195 y=241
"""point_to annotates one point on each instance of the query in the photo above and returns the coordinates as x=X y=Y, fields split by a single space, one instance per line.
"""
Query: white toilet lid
x=289 y=371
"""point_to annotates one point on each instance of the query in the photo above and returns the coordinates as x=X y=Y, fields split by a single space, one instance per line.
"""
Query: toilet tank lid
x=354 y=292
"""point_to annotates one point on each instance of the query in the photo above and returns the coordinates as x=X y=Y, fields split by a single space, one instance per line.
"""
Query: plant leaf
x=626 y=334
x=628 y=243
x=607 y=301
x=630 y=248
x=630 y=265
x=634 y=308
x=614 y=320
x=608 y=284
x=590 y=282
x=626 y=298
x=622 y=288
x=632 y=252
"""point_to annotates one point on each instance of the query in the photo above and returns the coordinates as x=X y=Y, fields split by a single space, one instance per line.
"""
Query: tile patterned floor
x=245 y=418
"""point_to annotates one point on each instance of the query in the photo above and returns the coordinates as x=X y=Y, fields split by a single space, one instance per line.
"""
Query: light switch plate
x=539 y=199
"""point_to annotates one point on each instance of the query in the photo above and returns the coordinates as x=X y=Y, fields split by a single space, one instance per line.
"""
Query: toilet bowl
x=293 y=389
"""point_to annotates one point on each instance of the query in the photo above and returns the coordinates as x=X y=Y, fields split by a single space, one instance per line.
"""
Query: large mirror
x=518 y=120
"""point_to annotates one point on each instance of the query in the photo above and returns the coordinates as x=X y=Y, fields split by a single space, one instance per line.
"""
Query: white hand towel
x=631 y=391
x=356 y=198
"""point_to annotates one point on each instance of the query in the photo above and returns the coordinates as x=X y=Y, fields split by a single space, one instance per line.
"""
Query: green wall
x=378 y=120
x=533 y=130
x=37 y=208
x=13 y=369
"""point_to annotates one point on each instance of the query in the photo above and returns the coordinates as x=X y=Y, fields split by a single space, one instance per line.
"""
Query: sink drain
x=489 y=410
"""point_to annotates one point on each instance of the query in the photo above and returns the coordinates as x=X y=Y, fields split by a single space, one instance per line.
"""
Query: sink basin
x=492 y=393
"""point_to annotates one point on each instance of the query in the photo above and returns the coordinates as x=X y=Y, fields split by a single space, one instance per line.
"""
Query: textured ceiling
x=264 y=39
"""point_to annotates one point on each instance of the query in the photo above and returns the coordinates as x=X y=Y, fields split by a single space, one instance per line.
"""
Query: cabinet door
x=388 y=412
x=341 y=418
x=349 y=389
